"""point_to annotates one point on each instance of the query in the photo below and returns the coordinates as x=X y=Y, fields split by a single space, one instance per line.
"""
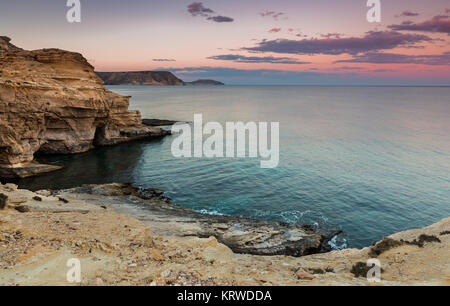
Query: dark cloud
x=437 y=24
x=372 y=41
x=408 y=14
x=391 y=58
x=163 y=60
x=256 y=59
x=198 y=9
x=273 y=14
x=221 y=19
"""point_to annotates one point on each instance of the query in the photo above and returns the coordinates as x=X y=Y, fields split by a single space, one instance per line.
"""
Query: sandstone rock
x=45 y=193
x=10 y=187
x=148 y=239
x=156 y=255
x=238 y=234
x=99 y=282
x=23 y=170
x=219 y=253
x=304 y=275
x=51 y=101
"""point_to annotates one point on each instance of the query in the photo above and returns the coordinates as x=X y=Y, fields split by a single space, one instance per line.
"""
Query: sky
x=268 y=42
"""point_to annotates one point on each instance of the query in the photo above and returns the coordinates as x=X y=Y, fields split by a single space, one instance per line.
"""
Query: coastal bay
x=217 y=222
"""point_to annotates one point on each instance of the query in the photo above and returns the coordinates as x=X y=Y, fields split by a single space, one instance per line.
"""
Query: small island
x=206 y=82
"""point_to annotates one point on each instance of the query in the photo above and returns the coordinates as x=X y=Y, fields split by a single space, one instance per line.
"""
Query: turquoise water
x=369 y=160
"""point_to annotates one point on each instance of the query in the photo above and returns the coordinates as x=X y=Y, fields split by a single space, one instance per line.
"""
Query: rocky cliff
x=140 y=78
x=51 y=101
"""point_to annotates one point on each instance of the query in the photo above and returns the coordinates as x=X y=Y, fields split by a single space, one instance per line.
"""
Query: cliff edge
x=52 y=102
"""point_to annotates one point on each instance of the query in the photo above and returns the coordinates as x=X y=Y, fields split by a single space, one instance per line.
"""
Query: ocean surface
x=371 y=161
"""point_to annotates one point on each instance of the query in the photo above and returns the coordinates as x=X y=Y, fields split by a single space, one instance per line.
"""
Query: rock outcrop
x=158 y=122
x=241 y=235
x=52 y=102
x=140 y=78
x=40 y=231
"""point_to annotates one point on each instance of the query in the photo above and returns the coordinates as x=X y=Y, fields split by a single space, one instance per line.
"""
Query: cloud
x=348 y=68
x=275 y=30
x=198 y=9
x=221 y=19
x=408 y=13
x=437 y=24
x=382 y=70
x=255 y=59
x=163 y=60
x=391 y=58
x=372 y=41
x=332 y=35
x=273 y=14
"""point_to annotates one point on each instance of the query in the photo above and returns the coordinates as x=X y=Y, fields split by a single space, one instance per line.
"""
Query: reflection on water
x=101 y=165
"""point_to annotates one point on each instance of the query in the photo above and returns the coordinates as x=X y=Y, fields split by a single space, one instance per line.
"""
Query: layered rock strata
x=52 y=102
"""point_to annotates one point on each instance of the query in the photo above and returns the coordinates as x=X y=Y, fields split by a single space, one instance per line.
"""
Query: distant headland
x=157 y=78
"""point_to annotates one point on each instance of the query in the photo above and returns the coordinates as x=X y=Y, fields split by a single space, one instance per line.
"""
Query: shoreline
x=41 y=230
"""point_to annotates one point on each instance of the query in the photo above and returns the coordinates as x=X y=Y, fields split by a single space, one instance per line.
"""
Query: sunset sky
x=247 y=41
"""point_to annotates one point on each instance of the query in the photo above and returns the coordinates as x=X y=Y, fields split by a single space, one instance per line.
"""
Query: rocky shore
x=158 y=243
x=52 y=102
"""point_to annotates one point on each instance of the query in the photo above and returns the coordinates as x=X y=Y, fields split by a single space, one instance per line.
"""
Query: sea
x=371 y=161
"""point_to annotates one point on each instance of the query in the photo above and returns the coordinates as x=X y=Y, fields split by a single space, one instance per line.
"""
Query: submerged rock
x=52 y=102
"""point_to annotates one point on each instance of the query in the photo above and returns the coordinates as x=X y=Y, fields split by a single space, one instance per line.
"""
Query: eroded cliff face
x=51 y=101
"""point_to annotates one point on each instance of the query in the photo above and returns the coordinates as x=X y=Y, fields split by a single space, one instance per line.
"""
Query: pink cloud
x=408 y=14
x=275 y=30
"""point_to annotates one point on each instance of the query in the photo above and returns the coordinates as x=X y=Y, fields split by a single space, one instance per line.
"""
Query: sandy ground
x=115 y=249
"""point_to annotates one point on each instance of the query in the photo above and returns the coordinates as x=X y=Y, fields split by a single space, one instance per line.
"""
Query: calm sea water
x=369 y=160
